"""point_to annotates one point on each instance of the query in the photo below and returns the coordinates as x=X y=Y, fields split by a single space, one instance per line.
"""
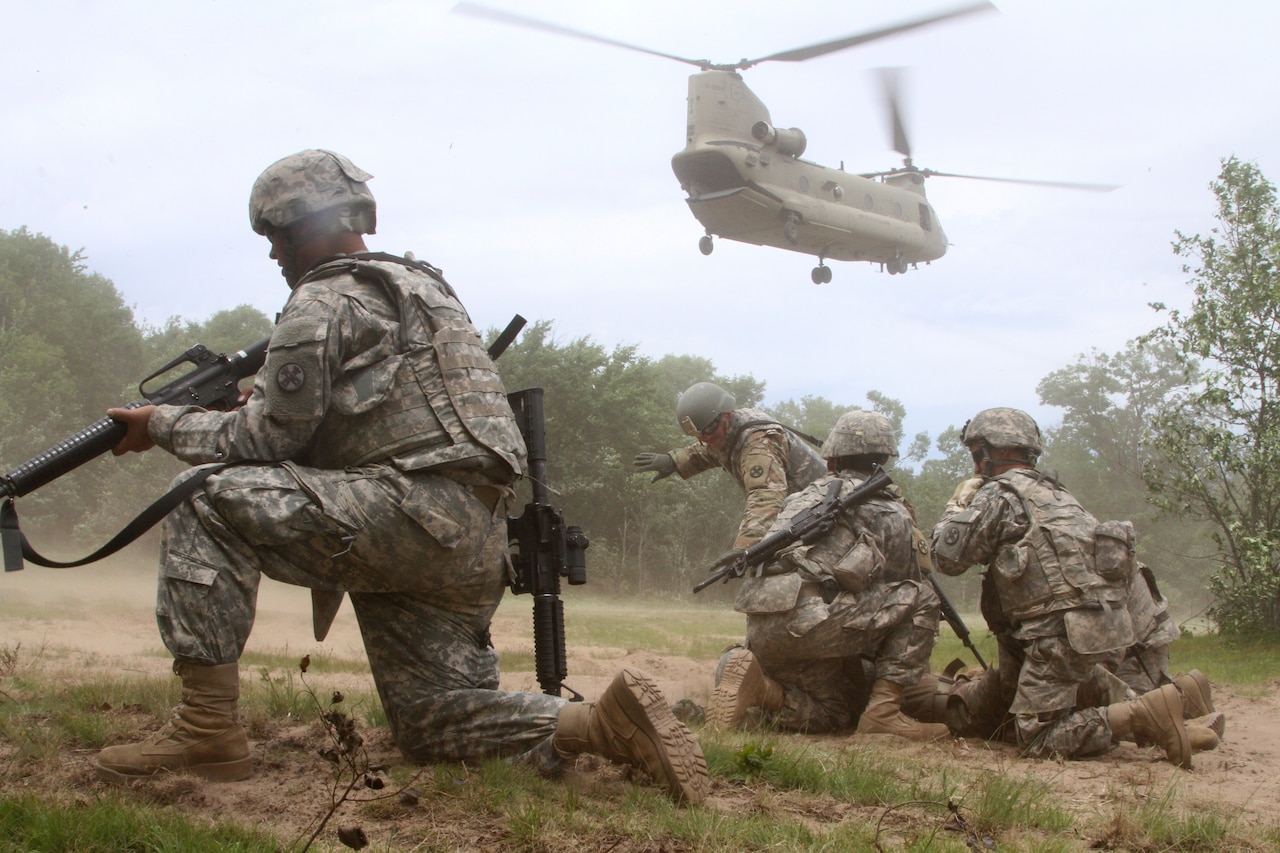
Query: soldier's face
x=284 y=253
x=713 y=435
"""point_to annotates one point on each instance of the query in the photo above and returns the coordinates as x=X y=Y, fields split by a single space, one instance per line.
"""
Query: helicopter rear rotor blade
x=1062 y=185
x=475 y=10
x=822 y=48
x=890 y=78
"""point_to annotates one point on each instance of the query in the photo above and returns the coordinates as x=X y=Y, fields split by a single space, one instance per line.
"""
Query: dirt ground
x=103 y=618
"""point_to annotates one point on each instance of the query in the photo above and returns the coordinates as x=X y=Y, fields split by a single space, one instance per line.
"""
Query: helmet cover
x=302 y=184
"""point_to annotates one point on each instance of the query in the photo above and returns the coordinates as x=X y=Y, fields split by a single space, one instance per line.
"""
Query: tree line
x=1179 y=431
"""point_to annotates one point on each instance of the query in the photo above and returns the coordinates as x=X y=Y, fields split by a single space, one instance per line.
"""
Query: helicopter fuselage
x=745 y=181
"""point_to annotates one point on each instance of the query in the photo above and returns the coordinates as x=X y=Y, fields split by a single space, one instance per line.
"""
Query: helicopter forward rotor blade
x=477 y=11
x=890 y=78
x=802 y=53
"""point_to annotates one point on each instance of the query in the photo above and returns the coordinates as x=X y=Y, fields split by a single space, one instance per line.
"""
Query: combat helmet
x=701 y=404
x=309 y=182
x=1003 y=427
x=858 y=433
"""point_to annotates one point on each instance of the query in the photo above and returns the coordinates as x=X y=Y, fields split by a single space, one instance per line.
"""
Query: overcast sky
x=535 y=169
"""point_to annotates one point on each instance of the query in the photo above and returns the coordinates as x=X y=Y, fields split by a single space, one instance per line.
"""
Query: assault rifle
x=953 y=619
x=212 y=382
x=544 y=549
x=808 y=527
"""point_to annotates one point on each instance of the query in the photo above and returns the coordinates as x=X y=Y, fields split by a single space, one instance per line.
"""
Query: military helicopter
x=745 y=179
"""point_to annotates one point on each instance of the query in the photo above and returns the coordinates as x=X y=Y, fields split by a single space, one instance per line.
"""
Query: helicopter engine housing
x=790 y=141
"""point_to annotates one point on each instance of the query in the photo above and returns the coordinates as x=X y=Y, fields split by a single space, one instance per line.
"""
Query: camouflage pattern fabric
x=1048 y=670
x=420 y=551
x=894 y=621
x=1146 y=666
x=766 y=460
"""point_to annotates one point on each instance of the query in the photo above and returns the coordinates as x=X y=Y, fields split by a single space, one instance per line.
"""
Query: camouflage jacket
x=372 y=360
x=768 y=462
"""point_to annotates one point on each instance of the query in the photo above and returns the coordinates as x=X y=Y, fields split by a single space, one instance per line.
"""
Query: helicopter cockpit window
x=926 y=221
x=868 y=202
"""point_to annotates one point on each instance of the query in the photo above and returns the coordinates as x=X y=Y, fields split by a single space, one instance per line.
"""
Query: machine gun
x=808 y=527
x=544 y=549
x=212 y=382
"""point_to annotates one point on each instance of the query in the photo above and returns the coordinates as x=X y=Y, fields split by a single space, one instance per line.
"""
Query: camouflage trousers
x=422 y=558
x=1046 y=698
x=1144 y=670
x=894 y=625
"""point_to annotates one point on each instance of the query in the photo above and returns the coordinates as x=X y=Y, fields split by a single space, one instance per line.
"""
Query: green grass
x=675 y=629
x=30 y=824
x=777 y=791
x=1242 y=664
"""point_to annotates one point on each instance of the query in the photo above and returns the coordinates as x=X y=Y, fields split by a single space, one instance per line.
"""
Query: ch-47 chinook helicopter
x=745 y=179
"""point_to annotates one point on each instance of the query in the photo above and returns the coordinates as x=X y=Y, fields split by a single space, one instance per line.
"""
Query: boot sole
x=226 y=771
x=742 y=674
x=682 y=768
x=1216 y=722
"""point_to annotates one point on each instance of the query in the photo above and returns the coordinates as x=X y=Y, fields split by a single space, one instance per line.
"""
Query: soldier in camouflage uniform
x=856 y=592
x=768 y=460
x=976 y=704
x=1053 y=593
x=375 y=456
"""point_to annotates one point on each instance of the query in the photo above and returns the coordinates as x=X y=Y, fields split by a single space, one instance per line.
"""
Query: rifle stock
x=807 y=527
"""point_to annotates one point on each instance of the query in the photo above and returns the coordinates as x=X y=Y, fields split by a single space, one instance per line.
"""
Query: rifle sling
x=131 y=531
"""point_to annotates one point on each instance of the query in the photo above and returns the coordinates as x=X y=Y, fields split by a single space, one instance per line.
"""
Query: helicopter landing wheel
x=791 y=229
x=821 y=274
x=705 y=246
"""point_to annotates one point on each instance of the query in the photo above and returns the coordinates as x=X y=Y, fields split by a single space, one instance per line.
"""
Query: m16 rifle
x=808 y=527
x=952 y=616
x=212 y=382
x=544 y=549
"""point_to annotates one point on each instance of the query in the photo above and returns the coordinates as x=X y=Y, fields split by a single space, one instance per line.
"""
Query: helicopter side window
x=804 y=184
x=897 y=209
x=868 y=202
x=926 y=221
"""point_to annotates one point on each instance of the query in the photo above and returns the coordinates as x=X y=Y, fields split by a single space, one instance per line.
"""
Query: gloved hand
x=662 y=463
x=964 y=493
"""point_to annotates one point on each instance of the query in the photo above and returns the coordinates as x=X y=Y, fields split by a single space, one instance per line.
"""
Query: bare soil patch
x=92 y=619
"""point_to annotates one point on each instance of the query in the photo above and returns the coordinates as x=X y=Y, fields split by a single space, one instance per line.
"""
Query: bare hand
x=136 y=439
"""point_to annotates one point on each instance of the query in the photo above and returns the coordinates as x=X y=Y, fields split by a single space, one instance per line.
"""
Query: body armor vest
x=804 y=465
x=1052 y=567
x=438 y=401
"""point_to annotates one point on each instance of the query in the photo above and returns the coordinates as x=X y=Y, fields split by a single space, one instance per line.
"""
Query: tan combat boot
x=204 y=735
x=743 y=685
x=884 y=716
x=1216 y=722
x=631 y=724
x=1202 y=738
x=1197 y=695
x=1157 y=716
